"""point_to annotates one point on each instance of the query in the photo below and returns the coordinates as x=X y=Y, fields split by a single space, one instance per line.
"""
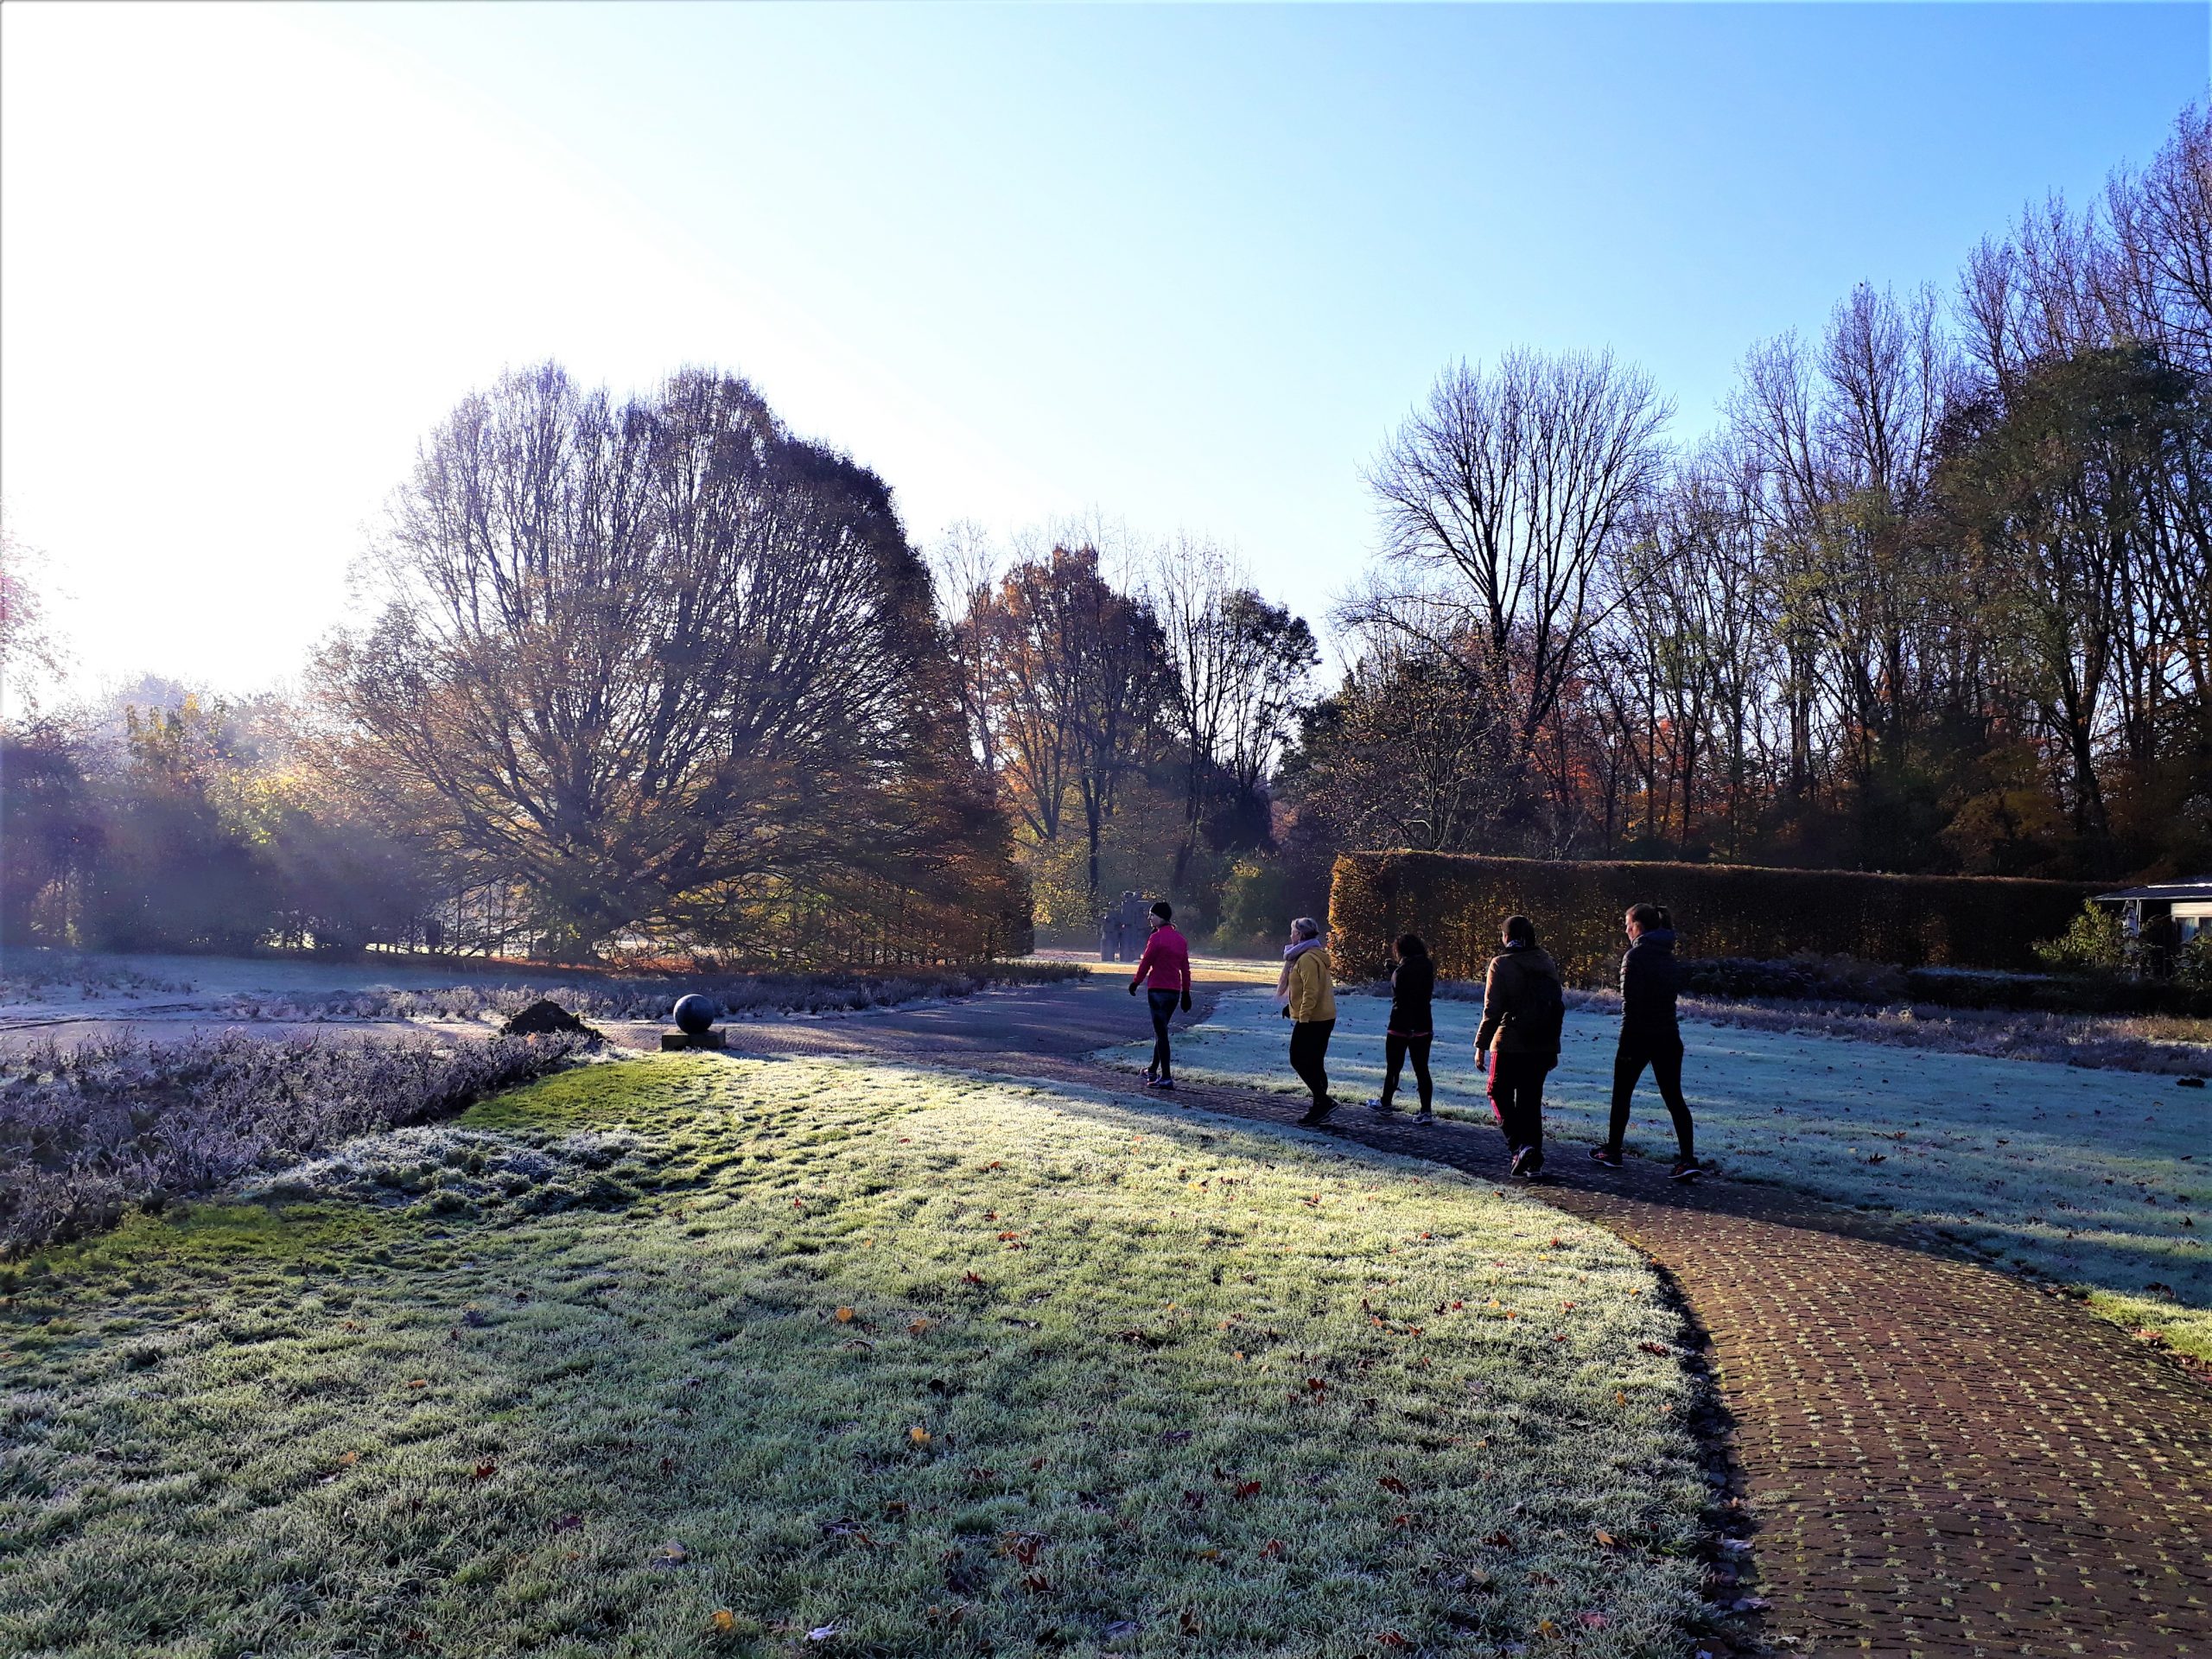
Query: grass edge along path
x=694 y=1355
x=2045 y=1170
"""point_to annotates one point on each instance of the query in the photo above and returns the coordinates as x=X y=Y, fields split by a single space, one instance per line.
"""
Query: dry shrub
x=87 y=1133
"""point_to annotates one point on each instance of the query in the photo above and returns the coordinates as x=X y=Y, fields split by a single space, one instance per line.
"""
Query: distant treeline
x=650 y=674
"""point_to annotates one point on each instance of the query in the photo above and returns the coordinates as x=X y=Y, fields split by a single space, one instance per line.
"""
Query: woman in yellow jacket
x=1309 y=1000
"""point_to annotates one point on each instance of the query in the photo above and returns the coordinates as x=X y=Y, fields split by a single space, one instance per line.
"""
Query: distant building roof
x=2199 y=886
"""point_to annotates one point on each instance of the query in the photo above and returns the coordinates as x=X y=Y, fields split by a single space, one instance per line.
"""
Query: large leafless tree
x=1501 y=499
x=642 y=654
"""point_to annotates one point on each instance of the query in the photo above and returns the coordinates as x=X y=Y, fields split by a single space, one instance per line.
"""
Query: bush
x=87 y=1133
x=1256 y=903
x=2093 y=942
x=2193 y=964
x=1455 y=901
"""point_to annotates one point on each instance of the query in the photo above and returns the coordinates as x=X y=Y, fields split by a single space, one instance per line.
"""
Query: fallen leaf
x=569 y=1522
x=1392 y=1639
x=1272 y=1550
x=722 y=1621
x=844 y=1316
x=1392 y=1483
x=1607 y=1539
x=484 y=1471
x=420 y=1382
x=915 y=1327
x=1546 y=1628
x=1247 y=1489
x=347 y=1459
x=671 y=1554
x=971 y=1277
x=918 y=1435
x=1593 y=1621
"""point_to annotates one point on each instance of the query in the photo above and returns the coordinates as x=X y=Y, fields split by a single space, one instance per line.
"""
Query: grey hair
x=1305 y=927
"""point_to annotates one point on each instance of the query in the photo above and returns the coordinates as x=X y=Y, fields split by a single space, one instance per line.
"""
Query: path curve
x=1939 y=1460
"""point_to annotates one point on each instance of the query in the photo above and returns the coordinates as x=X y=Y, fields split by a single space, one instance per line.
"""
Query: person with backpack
x=1309 y=1002
x=1523 y=1009
x=1167 y=960
x=1650 y=1035
x=1411 y=1028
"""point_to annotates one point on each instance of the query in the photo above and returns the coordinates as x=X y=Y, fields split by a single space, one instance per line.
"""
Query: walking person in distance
x=1411 y=1027
x=1309 y=1000
x=1650 y=1035
x=1166 y=963
x=1523 y=1009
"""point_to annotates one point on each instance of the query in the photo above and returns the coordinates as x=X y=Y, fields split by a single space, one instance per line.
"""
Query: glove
x=1187 y=1001
x=1133 y=987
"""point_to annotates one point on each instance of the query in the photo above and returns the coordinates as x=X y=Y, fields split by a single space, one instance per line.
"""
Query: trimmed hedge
x=1455 y=901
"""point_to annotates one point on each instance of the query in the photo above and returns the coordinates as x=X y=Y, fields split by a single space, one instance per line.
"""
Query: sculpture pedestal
x=672 y=1039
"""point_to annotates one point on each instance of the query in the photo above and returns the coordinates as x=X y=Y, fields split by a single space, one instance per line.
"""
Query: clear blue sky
x=1186 y=266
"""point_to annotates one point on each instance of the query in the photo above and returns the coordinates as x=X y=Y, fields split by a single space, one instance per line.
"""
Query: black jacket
x=1413 y=982
x=1506 y=1002
x=1649 y=977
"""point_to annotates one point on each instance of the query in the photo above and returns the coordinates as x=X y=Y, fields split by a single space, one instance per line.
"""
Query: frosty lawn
x=695 y=1356
x=2099 y=1180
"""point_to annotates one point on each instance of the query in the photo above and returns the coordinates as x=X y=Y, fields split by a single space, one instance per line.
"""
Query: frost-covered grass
x=693 y=1355
x=87 y=1131
x=2098 y=1179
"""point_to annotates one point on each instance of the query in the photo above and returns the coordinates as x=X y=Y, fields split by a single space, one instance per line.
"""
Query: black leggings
x=1666 y=1063
x=1163 y=1009
x=1398 y=1048
x=1516 y=1092
x=1309 y=1050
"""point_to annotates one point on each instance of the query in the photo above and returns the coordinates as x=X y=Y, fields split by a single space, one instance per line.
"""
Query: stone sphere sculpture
x=694 y=1014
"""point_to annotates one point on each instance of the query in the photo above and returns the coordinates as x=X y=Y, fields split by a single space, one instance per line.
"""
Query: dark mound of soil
x=546 y=1018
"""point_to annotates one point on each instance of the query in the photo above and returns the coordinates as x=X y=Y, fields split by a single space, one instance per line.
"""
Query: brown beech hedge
x=1456 y=900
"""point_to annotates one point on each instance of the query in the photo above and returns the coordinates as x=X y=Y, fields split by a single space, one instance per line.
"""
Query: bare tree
x=1240 y=664
x=1081 y=686
x=654 y=660
x=1500 y=500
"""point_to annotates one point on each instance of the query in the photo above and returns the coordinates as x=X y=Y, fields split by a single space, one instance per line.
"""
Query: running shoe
x=1686 y=1169
x=1424 y=1115
x=1161 y=1082
x=1527 y=1160
x=1379 y=1105
x=1319 y=1112
x=1609 y=1156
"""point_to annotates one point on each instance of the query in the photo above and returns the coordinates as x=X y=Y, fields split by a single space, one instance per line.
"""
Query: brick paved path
x=1940 y=1460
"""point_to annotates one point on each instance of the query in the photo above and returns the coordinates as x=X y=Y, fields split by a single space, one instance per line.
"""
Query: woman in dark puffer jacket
x=1650 y=1035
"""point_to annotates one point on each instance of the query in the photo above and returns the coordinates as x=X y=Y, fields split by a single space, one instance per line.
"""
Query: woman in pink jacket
x=1166 y=961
